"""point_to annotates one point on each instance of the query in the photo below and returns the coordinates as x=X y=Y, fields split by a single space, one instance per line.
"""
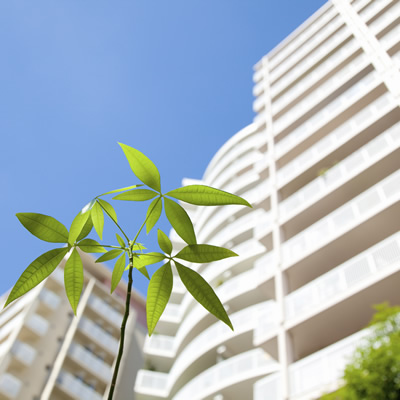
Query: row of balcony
x=76 y=388
x=390 y=38
x=10 y=386
x=105 y=310
x=388 y=17
x=373 y=8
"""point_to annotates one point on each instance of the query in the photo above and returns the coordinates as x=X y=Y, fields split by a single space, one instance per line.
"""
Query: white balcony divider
x=76 y=388
x=151 y=383
x=23 y=352
x=267 y=324
x=375 y=150
x=354 y=212
x=269 y=388
x=105 y=310
x=323 y=369
x=352 y=127
x=236 y=369
x=372 y=264
x=37 y=324
x=49 y=298
x=10 y=386
x=93 y=363
x=99 y=335
x=333 y=109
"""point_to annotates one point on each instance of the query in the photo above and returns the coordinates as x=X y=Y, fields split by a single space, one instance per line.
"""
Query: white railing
x=389 y=39
x=269 y=388
x=105 y=310
x=263 y=225
x=386 y=18
x=99 y=335
x=323 y=368
x=37 y=324
x=49 y=298
x=228 y=372
x=372 y=264
x=151 y=383
x=267 y=324
x=93 y=363
x=76 y=387
x=372 y=9
x=368 y=203
x=23 y=352
x=377 y=149
x=352 y=127
x=265 y=266
x=10 y=386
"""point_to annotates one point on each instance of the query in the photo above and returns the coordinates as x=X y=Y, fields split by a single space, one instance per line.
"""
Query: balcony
x=151 y=384
x=346 y=217
x=387 y=18
x=10 y=386
x=49 y=298
x=373 y=8
x=268 y=323
x=37 y=324
x=390 y=38
x=76 y=388
x=270 y=386
x=105 y=310
x=24 y=353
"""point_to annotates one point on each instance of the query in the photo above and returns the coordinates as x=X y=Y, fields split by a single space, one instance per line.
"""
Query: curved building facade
x=321 y=166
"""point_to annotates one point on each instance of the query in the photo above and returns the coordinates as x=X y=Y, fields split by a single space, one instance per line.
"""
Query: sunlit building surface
x=46 y=353
x=320 y=164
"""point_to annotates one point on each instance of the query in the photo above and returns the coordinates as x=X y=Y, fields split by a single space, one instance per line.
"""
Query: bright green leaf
x=149 y=258
x=38 y=270
x=180 y=221
x=118 y=271
x=158 y=294
x=142 y=167
x=98 y=219
x=77 y=225
x=73 y=279
x=120 y=240
x=91 y=246
x=139 y=247
x=110 y=255
x=136 y=195
x=204 y=253
x=202 y=292
x=142 y=269
x=153 y=214
x=120 y=190
x=87 y=228
x=206 y=196
x=164 y=242
x=109 y=209
x=44 y=227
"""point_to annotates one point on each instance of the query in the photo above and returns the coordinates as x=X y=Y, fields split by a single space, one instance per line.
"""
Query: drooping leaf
x=87 y=228
x=73 y=279
x=44 y=227
x=98 y=219
x=142 y=269
x=110 y=255
x=38 y=270
x=142 y=167
x=109 y=209
x=204 y=253
x=77 y=226
x=136 y=195
x=202 y=292
x=91 y=246
x=202 y=195
x=119 y=190
x=158 y=294
x=120 y=240
x=118 y=271
x=153 y=214
x=164 y=242
x=180 y=221
x=144 y=260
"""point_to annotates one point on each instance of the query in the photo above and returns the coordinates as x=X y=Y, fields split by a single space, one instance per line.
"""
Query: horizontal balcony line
x=384 y=20
x=271 y=384
x=76 y=388
x=10 y=386
x=373 y=8
x=105 y=310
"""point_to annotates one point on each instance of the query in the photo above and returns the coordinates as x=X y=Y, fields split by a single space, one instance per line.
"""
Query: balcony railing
x=105 y=310
x=10 y=386
x=373 y=8
x=385 y=19
x=389 y=39
x=76 y=388
x=353 y=213
x=37 y=324
x=267 y=324
x=151 y=383
x=374 y=151
x=23 y=352
x=269 y=387
x=372 y=264
x=49 y=298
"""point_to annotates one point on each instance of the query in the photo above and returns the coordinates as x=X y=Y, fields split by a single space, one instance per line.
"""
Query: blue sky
x=171 y=78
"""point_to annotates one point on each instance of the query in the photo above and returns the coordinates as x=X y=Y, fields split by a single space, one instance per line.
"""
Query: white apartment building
x=46 y=353
x=321 y=165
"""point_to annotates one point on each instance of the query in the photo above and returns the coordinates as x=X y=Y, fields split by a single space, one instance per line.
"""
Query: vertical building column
x=377 y=55
x=284 y=343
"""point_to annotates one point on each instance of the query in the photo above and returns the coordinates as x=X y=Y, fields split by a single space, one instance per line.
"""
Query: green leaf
x=77 y=225
x=136 y=195
x=137 y=264
x=88 y=206
x=164 y=242
x=91 y=246
x=87 y=228
x=180 y=221
x=142 y=167
x=73 y=279
x=44 y=227
x=203 y=293
x=118 y=271
x=109 y=209
x=120 y=240
x=158 y=294
x=38 y=270
x=202 y=195
x=139 y=247
x=120 y=190
x=204 y=253
x=153 y=214
x=110 y=255
x=98 y=219
x=149 y=258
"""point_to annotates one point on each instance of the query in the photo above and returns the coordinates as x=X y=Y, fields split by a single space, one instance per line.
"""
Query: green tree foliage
x=374 y=372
